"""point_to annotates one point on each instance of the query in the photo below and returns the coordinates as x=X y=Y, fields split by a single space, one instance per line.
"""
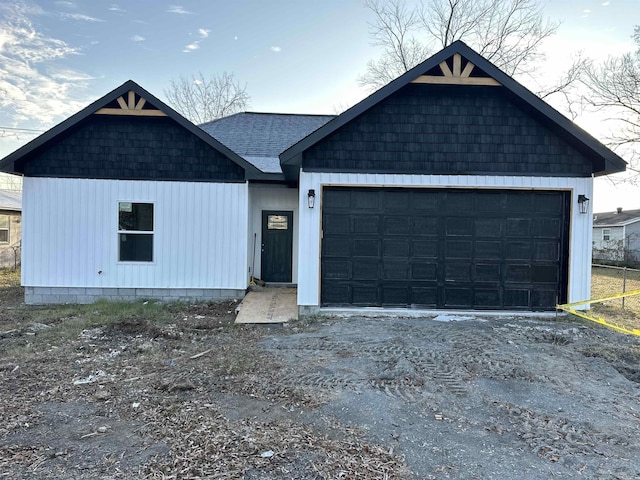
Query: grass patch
x=9 y=277
x=66 y=322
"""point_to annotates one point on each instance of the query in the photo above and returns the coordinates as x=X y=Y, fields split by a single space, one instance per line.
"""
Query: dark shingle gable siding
x=132 y=148
x=433 y=129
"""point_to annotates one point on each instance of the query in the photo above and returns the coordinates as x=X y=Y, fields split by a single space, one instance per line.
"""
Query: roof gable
x=129 y=99
x=458 y=64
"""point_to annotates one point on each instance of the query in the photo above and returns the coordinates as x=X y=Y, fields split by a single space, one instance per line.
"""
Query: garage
x=493 y=249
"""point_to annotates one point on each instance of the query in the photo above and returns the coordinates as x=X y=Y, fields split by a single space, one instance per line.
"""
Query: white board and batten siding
x=580 y=233
x=70 y=234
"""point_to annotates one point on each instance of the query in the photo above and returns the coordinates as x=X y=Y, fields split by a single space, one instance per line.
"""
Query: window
x=135 y=232
x=4 y=228
x=277 y=222
x=606 y=234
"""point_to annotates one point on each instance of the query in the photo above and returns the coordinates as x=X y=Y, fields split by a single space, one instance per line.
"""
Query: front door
x=277 y=242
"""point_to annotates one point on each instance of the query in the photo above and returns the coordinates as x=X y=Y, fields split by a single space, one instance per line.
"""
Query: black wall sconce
x=583 y=203
x=311 y=198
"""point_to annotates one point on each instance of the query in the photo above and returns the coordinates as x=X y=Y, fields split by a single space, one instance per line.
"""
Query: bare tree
x=614 y=89
x=509 y=33
x=202 y=99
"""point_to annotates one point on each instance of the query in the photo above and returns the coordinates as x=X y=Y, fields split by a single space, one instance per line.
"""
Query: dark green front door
x=277 y=243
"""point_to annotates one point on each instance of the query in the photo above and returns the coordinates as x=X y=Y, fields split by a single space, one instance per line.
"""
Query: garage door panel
x=395 y=270
x=516 y=298
x=365 y=199
x=337 y=247
x=365 y=269
x=462 y=226
x=489 y=227
x=365 y=224
x=366 y=247
x=424 y=248
x=458 y=297
x=458 y=249
x=543 y=298
x=424 y=296
x=487 y=298
x=396 y=225
x=489 y=202
x=545 y=274
x=424 y=271
x=518 y=273
x=545 y=227
x=395 y=295
x=336 y=293
x=366 y=295
x=549 y=251
x=339 y=199
x=547 y=203
x=457 y=272
x=396 y=248
x=444 y=248
x=337 y=269
x=424 y=226
x=425 y=200
x=520 y=203
x=488 y=250
x=486 y=272
x=396 y=200
x=519 y=250
x=518 y=227
x=337 y=224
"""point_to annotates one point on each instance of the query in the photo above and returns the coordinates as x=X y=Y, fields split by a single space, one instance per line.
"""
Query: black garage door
x=444 y=248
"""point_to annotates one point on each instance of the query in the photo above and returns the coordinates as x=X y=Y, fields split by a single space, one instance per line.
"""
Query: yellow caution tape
x=568 y=307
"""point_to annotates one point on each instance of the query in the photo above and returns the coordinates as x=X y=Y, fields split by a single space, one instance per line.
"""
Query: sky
x=295 y=56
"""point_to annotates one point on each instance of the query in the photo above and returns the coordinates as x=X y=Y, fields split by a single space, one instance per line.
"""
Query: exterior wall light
x=583 y=203
x=311 y=198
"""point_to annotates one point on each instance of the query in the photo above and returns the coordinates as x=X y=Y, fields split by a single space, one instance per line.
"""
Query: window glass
x=135 y=217
x=277 y=222
x=606 y=234
x=4 y=228
x=135 y=232
x=136 y=247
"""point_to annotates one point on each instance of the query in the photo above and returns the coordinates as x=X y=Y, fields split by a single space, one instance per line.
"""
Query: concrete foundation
x=84 y=295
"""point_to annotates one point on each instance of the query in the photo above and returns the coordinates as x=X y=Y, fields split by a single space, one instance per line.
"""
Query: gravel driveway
x=477 y=398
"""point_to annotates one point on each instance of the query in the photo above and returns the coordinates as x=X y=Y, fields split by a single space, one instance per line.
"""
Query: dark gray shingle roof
x=260 y=138
x=609 y=219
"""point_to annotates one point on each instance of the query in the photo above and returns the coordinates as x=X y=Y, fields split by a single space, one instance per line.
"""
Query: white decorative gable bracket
x=456 y=76
x=131 y=106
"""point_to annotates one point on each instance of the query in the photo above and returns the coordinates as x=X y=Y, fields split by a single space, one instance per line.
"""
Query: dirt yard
x=153 y=391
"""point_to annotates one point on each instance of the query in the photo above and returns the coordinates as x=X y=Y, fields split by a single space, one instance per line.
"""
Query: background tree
x=508 y=33
x=202 y=99
x=614 y=90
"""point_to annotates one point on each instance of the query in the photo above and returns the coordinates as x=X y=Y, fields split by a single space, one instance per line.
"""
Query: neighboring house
x=451 y=187
x=616 y=236
x=10 y=228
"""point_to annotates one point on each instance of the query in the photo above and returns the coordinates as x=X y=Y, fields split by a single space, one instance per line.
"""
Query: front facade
x=453 y=187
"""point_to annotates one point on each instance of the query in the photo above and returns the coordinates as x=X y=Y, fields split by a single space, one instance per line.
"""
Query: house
x=616 y=236
x=452 y=187
x=10 y=228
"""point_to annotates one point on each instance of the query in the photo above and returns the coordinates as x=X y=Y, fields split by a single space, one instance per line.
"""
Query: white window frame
x=137 y=232
x=8 y=229
x=606 y=234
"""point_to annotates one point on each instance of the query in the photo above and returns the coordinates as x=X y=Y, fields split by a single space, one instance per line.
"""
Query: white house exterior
x=453 y=187
x=616 y=236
